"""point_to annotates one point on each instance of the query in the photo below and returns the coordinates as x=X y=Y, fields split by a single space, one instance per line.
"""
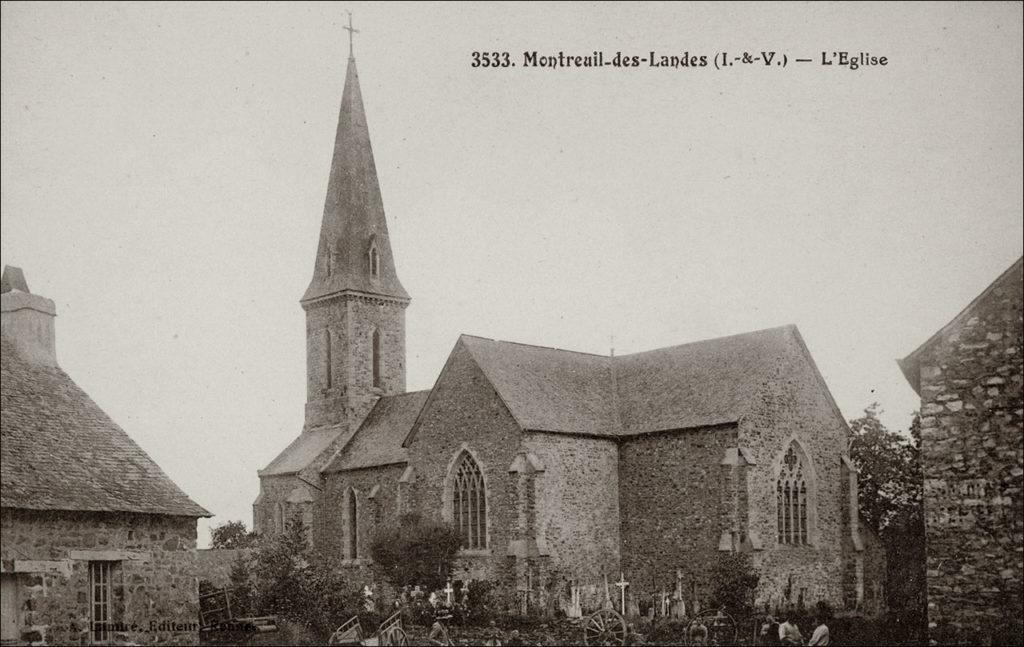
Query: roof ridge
x=709 y=339
x=538 y=346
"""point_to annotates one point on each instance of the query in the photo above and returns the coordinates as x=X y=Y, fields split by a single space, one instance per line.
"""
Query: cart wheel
x=394 y=636
x=605 y=627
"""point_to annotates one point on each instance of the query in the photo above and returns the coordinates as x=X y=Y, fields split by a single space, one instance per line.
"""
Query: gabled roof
x=699 y=384
x=379 y=439
x=353 y=220
x=911 y=364
x=705 y=383
x=60 y=451
x=548 y=389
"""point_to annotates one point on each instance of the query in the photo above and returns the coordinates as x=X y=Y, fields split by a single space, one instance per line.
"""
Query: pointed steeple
x=354 y=253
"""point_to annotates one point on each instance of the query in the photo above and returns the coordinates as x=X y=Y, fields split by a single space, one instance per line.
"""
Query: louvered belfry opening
x=469 y=503
x=791 y=490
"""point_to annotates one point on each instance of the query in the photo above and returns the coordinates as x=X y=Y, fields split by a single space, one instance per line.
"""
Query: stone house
x=969 y=377
x=561 y=467
x=97 y=543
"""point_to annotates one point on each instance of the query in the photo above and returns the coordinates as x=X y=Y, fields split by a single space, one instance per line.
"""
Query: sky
x=164 y=169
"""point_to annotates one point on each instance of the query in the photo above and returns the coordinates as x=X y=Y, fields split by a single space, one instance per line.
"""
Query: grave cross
x=622 y=584
x=351 y=32
x=448 y=590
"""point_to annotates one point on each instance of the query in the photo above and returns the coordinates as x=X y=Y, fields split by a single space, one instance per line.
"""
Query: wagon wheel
x=721 y=628
x=393 y=635
x=605 y=627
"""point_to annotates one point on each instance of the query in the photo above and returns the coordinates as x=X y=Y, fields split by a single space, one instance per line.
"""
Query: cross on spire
x=351 y=31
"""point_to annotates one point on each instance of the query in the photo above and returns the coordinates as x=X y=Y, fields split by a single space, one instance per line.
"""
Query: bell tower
x=355 y=304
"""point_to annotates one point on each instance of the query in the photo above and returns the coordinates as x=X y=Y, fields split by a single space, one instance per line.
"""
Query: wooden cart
x=390 y=632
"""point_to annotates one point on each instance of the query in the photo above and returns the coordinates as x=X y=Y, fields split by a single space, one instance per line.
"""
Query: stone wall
x=795 y=406
x=671 y=489
x=350 y=393
x=155 y=591
x=274 y=490
x=376 y=492
x=971 y=449
x=465 y=414
x=575 y=520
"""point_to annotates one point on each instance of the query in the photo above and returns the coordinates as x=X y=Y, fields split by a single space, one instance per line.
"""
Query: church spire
x=354 y=252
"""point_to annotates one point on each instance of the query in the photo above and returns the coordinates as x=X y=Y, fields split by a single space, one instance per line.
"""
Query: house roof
x=911 y=364
x=60 y=451
x=379 y=439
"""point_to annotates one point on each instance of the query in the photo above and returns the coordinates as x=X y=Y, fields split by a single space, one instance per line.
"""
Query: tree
x=891 y=488
x=415 y=552
x=230 y=535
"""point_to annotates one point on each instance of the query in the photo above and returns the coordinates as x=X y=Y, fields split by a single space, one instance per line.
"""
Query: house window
x=99 y=600
x=469 y=503
x=376 y=357
x=374 y=261
x=791 y=490
x=352 y=549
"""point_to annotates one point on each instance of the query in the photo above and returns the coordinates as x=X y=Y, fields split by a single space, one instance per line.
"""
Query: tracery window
x=469 y=503
x=791 y=490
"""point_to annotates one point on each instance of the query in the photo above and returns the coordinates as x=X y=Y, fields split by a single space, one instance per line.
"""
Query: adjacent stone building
x=97 y=543
x=969 y=377
x=561 y=469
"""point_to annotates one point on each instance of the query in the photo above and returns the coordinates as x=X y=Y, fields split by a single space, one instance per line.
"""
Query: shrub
x=735 y=583
x=415 y=552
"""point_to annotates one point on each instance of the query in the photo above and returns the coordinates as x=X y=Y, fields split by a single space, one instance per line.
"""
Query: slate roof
x=353 y=218
x=60 y=451
x=679 y=387
x=379 y=439
x=302 y=451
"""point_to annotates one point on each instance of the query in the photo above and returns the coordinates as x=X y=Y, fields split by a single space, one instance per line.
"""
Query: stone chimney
x=27 y=319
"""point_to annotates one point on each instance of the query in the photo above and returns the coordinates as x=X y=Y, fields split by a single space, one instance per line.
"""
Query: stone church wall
x=372 y=512
x=796 y=406
x=971 y=448
x=577 y=504
x=464 y=412
x=154 y=583
x=671 y=490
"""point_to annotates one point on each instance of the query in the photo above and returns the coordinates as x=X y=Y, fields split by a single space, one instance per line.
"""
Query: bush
x=415 y=552
x=735 y=583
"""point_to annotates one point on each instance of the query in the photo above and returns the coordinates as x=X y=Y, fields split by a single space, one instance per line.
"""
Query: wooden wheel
x=605 y=627
x=721 y=628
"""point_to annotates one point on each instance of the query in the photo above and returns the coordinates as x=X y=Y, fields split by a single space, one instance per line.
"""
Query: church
x=557 y=466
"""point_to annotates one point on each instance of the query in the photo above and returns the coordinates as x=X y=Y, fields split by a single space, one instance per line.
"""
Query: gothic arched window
x=279 y=518
x=791 y=490
x=376 y=357
x=469 y=503
x=352 y=531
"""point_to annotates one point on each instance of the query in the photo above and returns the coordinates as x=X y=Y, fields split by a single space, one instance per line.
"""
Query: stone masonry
x=972 y=447
x=154 y=580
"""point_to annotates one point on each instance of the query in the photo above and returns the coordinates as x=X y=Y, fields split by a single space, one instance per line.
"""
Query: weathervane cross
x=351 y=31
